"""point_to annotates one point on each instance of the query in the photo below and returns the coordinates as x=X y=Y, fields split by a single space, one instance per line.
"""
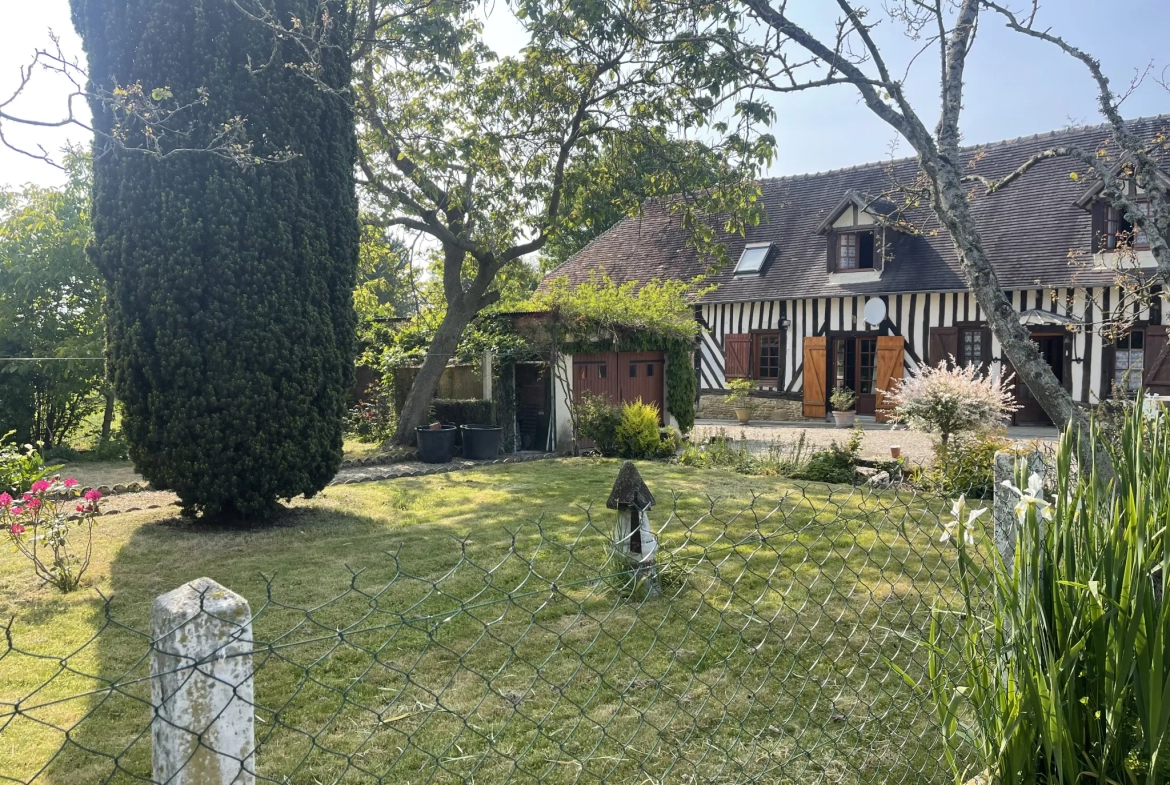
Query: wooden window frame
x=754 y=356
x=1111 y=359
x=984 y=330
x=1114 y=221
x=839 y=236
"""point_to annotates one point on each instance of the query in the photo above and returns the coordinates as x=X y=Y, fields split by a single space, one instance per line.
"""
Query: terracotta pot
x=743 y=415
x=895 y=451
x=844 y=419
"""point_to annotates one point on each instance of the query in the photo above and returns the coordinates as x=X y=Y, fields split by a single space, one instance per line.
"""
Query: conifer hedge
x=230 y=317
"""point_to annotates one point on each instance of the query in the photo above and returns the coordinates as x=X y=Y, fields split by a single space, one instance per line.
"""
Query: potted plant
x=843 y=401
x=739 y=399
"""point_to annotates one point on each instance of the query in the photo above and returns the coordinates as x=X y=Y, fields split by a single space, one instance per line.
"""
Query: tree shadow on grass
x=397 y=651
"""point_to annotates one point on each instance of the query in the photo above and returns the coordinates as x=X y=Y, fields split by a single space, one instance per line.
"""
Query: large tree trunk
x=422 y=390
x=108 y=414
x=954 y=211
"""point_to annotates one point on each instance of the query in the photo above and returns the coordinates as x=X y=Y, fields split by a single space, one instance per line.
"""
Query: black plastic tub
x=481 y=442
x=436 y=445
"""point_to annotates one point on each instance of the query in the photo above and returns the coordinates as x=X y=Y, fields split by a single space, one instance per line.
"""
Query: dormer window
x=751 y=261
x=855 y=251
x=1119 y=230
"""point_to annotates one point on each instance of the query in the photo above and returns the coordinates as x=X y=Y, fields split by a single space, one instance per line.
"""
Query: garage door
x=620 y=376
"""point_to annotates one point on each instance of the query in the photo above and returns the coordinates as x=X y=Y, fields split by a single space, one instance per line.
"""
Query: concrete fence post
x=203 y=731
x=1003 y=511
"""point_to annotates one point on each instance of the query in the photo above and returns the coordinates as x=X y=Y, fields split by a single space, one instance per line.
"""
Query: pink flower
x=40 y=486
x=81 y=508
x=16 y=529
x=26 y=495
x=16 y=510
x=5 y=500
x=34 y=504
x=70 y=482
x=92 y=495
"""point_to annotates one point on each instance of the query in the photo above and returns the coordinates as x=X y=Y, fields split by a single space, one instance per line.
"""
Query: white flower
x=960 y=528
x=1033 y=496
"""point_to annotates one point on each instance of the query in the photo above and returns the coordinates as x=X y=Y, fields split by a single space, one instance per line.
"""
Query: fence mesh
x=781 y=648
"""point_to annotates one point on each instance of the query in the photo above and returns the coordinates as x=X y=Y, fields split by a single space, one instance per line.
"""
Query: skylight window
x=751 y=261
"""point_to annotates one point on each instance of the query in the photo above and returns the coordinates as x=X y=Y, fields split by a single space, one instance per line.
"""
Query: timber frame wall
x=911 y=316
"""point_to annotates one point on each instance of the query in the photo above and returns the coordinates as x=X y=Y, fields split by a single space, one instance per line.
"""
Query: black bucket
x=436 y=445
x=481 y=442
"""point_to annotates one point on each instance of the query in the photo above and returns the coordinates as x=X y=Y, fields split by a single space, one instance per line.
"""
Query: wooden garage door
x=620 y=376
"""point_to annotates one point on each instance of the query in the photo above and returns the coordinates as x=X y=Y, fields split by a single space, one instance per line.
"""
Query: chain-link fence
x=783 y=642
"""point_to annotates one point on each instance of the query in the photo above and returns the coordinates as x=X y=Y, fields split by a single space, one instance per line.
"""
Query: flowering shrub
x=39 y=524
x=948 y=399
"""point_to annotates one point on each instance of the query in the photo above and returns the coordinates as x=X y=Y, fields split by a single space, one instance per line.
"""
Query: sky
x=1016 y=86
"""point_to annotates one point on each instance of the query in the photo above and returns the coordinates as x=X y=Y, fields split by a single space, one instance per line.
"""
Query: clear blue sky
x=1015 y=86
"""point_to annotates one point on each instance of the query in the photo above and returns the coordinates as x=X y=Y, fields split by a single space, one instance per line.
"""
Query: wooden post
x=203 y=731
x=634 y=541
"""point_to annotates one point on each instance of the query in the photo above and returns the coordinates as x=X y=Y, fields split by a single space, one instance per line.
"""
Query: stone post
x=633 y=539
x=203 y=731
x=1003 y=511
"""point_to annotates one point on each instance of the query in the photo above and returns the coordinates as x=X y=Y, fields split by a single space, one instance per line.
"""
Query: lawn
x=487 y=636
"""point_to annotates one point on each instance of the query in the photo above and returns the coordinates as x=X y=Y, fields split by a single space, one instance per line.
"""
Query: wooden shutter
x=944 y=344
x=737 y=355
x=1157 y=360
x=816 y=362
x=891 y=350
x=1098 y=211
x=832 y=252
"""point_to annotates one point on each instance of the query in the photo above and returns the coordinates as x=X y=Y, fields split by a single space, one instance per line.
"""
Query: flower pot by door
x=743 y=415
x=436 y=445
x=844 y=419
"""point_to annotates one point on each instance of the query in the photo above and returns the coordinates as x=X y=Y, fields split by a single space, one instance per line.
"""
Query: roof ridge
x=965 y=148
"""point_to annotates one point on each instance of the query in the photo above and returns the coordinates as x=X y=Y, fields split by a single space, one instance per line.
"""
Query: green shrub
x=598 y=421
x=637 y=433
x=669 y=442
x=463 y=411
x=20 y=467
x=835 y=464
x=1056 y=672
x=966 y=465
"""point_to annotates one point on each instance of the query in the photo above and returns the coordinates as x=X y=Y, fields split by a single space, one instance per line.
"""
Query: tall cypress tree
x=230 y=276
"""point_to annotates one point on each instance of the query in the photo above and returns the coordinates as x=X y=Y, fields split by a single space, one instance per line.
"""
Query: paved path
x=879 y=437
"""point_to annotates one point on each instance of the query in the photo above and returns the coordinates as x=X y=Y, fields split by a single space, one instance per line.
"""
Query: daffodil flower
x=960 y=528
x=1033 y=496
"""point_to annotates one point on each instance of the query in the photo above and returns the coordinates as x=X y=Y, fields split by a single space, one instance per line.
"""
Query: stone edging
x=395 y=456
x=441 y=468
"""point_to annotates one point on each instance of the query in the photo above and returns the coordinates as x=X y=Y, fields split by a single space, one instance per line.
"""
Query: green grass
x=766 y=658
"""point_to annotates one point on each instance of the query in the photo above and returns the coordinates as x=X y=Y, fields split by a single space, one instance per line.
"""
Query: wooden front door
x=854 y=367
x=1053 y=347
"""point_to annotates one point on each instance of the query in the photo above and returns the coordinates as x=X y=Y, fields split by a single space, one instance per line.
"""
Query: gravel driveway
x=916 y=447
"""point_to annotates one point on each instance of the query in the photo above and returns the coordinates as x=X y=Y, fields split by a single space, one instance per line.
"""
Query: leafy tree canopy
x=50 y=307
x=609 y=183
